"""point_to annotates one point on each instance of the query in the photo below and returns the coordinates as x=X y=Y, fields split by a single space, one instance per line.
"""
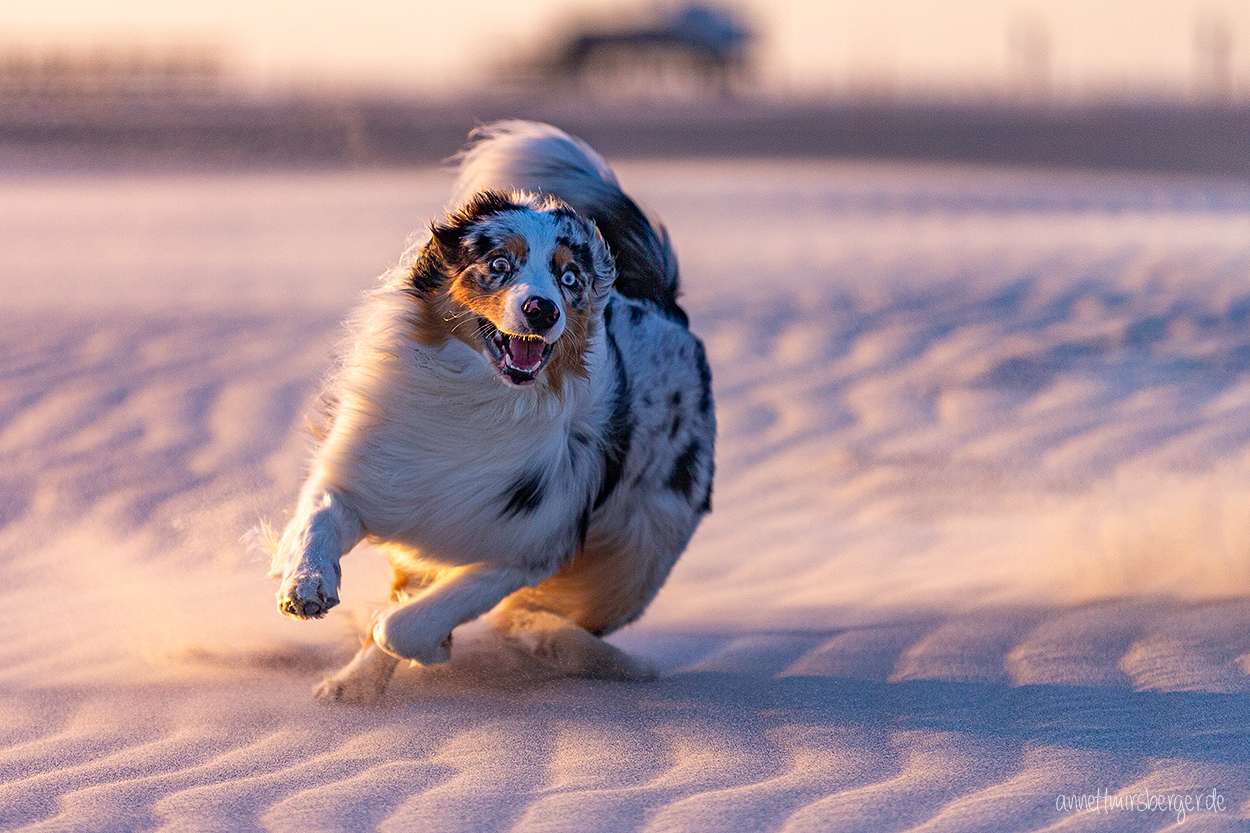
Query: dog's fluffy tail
x=529 y=156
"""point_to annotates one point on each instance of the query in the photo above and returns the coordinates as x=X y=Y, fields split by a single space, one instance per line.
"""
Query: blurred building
x=700 y=46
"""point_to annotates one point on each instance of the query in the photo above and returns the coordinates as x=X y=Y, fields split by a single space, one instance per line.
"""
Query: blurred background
x=1136 y=84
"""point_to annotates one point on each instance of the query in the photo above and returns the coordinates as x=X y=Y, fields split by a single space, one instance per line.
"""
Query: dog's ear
x=445 y=253
x=604 y=266
x=441 y=257
x=430 y=271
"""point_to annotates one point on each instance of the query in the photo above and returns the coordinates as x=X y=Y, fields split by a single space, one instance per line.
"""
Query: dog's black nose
x=542 y=313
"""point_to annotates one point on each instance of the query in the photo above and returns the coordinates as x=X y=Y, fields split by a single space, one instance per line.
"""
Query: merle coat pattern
x=521 y=419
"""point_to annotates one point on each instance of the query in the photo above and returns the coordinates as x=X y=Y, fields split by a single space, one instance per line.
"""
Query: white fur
x=529 y=156
x=420 y=431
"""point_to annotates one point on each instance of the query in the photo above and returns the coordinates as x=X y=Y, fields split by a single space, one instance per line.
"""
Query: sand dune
x=980 y=536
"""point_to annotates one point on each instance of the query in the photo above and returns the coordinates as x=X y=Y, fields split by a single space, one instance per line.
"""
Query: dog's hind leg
x=323 y=529
x=420 y=629
x=362 y=680
x=559 y=643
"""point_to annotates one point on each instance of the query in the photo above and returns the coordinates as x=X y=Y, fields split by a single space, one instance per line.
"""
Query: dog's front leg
x=323 y=529
x=420 y=629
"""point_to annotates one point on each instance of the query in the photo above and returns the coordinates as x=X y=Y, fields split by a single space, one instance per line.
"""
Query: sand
x=980 y=545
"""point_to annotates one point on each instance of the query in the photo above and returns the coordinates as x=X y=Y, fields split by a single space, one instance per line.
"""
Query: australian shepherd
x=521 y=418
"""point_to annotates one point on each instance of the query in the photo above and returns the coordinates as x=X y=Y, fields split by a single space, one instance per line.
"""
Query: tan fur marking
x=568 y=355
x=434 y=319
x=563 y=646
x=471 y=301
x=453 y=313
x=515 y=246
x=600 y=591
x=561 y=259
x=409 y=574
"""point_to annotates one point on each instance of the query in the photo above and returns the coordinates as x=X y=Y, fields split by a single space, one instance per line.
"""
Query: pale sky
x=1083 y=47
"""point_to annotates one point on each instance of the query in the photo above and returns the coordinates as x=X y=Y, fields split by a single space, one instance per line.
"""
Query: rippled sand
x=981 y=533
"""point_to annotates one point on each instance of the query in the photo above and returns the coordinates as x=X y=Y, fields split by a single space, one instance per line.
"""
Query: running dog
x=521 y=418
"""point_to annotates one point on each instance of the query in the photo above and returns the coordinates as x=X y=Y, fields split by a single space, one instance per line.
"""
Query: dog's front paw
x=306 y=597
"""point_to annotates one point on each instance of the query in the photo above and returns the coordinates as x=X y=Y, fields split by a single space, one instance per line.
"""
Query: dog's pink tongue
x=526 y=353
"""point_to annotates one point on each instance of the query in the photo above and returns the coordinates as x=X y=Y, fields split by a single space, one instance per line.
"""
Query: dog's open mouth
x=517 y=357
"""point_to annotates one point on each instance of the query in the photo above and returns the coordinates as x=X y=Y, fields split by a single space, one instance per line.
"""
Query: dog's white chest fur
x=439 y=455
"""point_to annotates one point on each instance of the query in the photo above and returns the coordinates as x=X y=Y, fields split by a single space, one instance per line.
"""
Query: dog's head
x=520 y=279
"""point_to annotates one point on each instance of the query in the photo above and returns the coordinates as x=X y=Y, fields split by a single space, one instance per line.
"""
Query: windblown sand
x=981 y=536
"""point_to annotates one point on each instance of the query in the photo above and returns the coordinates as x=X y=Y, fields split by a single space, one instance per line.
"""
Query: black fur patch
x=681 y=478
x=483 y=246
x=482 y=205
x=430 y=271
x=675 y=401
x=620 y=423
x=636 y=314
x=642 y=254
x=705 y=378
x=525 y=494
x=583 y=526
x=706 y=505
x=426 y=277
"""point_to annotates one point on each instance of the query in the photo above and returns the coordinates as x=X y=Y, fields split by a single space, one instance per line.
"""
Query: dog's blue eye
x=568 y=278
x=500 y=264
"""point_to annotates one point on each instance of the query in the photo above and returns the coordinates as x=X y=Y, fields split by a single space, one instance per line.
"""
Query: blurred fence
x=363 y=131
